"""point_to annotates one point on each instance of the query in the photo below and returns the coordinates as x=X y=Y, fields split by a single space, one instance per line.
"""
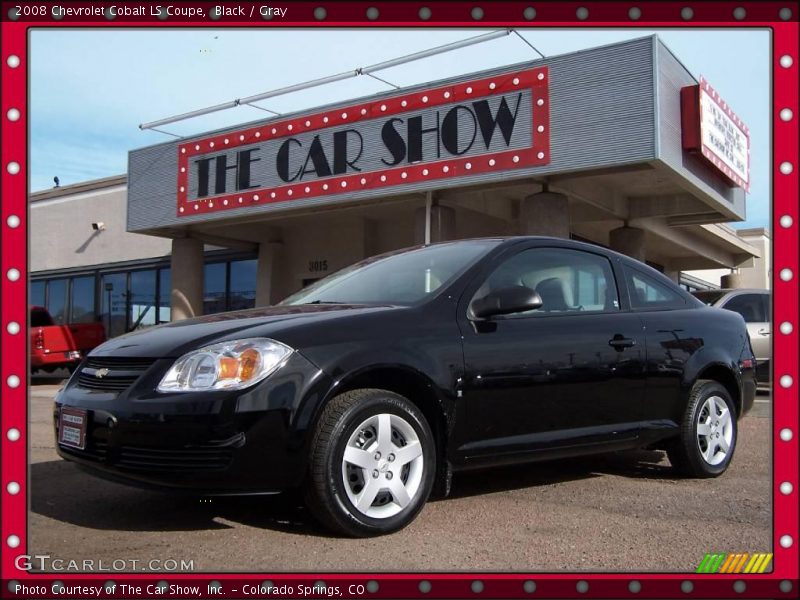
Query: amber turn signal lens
x=249 y=362
x=228 y=367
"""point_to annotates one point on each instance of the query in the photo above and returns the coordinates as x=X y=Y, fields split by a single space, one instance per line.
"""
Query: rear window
x=40 y=318
x=648 y=293
x=709 y=297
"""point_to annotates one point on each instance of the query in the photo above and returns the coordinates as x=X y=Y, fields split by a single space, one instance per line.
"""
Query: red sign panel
x=487 y=125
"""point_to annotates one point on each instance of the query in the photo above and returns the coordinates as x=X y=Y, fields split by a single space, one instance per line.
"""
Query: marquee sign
x=711 y=129
x=483 y=126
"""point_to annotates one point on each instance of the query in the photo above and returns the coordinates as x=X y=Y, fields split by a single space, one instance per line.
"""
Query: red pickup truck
x=55 y=346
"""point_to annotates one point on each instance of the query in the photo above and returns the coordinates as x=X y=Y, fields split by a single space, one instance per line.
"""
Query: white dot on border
x=13 y=434
x=786 y=541
x=540 y=155
x=12 y=221
x=786 y=434
x=786 y=221
x=13 y=61
x=12 y=381
x=12 y=541
x=786 y=381
x=786 y=114
x=13 y=328
x=540 y=102
x=786 y=328
x=786 y=488
x=13 y=167
x=12 y=488
x=786 y=168
x=12 y=275
x=786 y=61
x=786 y=274
x=12 y=114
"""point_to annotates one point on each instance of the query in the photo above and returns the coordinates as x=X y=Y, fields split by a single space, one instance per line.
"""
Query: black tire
x=325 y=493
x=685 y=452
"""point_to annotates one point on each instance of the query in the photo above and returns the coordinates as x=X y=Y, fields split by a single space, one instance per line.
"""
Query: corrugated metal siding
x=602 y=114
x=672 y=76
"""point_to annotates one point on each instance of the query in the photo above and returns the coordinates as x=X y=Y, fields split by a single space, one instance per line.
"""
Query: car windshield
x=404 y=277
x=708 y=297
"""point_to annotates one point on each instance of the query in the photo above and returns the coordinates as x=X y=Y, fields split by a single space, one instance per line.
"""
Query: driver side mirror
x=506 y=301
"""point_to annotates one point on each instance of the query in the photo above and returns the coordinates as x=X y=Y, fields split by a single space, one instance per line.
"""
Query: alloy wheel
x=714 y=430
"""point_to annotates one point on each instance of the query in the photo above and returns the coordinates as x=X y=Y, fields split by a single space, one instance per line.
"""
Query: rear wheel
x=708 y=432
x=372 y=463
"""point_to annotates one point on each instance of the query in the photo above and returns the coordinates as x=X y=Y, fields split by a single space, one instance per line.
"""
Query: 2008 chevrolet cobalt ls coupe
x=371 y=387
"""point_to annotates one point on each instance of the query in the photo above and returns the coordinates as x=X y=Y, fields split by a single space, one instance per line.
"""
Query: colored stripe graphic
x=726 y=565
x=739 y=562
x=765 y=564
x=738 y=567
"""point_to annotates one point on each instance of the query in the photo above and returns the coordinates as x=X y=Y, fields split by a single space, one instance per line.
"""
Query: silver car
x=755 y=306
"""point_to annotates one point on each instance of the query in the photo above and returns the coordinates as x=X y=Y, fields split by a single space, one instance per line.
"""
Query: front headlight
x=227 y=366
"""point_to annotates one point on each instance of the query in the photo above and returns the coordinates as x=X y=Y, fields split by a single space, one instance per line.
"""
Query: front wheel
x=708 y=432
x=372 y=463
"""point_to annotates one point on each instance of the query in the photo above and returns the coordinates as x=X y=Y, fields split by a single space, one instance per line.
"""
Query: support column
x=545 y=213
x=732 y=280
x=270 y=255
x=674 y=275
x=443 y=224
x=186 y=297
x=628 y=241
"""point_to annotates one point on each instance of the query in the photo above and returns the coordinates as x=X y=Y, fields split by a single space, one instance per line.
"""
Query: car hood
x=172 y=340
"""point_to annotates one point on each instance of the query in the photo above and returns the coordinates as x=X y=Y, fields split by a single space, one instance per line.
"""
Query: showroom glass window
x=568 y=281
x=82 y=309
x=36 y=297
x=114 y=302
x=164 y=294
x=646 y=292
x=242 y=284
x=57 y=300
x=214 y=287
x=142 y=305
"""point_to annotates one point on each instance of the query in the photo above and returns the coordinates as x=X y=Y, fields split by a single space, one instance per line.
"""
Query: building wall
x=61 y=234
x=759 y=274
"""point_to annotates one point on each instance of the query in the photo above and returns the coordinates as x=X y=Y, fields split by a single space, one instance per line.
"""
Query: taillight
x=38 y=340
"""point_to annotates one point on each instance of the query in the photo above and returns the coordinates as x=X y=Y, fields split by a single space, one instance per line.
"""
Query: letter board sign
x=478 y=127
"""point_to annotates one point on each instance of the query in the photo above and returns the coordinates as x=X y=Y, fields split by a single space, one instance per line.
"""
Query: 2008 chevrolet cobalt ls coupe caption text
x=370 y=387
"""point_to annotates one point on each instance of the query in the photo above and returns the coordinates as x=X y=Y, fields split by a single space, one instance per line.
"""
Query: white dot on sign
x=344 y=115
x=786 y=434
x=12 y=274
x=447 y=94
x=225 y=203
x=241 y=138
x=786 y=61
x=12 y=488
x=324 y=186
x=424 y=98
x=540 y=155
x=13 y=434
x=344 y=184
x=13 y=167
x=383 y=108
x=324 y=119
x=196 y=207
x=540 y=128
x=12 y=541
x=255 y=197
x=364 y=110
x=290 y=127
x=13 y=328
x=492 y=85
x=226 y=140
x=786 y=274
x=469 y=90
x=272 y=194
x=289 y=192
x=786 y=488
x=425 y=172
x=13 y=61
x=211 y=144
x=363 y=181
x=12 y=381
x=12 y=221
x=786 y=541
x=197 y=146
x=183 y=189
x=786 y=168
x=786 y=328
x=786 y=114
x=404 y=104
x=540 y=102
x=540 y=76
x=383 y=177
x=258 y=134
x=515 y=159
x=12 y=114
x=183 y=150
x=181 y=209
x=786 y=381
x=468 y=166
x=274 y=131
x=491 y=162
x=308 y=189
x=210 y=205
x=183 y=169
x=786 y=221
x=445 y=169
x=308 y=123
x=515 y=81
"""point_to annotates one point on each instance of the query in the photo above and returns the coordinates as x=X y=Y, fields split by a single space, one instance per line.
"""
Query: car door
x=560 y=377
x=754 y=308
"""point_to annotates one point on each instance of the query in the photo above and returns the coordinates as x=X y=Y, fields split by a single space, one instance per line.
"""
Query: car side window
x=750 y=306
x=649 y=293
x=568 y=281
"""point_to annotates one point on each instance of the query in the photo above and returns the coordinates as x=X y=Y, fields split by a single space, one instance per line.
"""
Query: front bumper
x=240 y=442
x=41 y=359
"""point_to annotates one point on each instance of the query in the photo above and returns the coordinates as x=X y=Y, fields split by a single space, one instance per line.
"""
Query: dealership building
x=618 y=145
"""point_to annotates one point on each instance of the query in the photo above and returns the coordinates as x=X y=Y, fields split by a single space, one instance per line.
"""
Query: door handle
x=620 y=343
x=764 y=332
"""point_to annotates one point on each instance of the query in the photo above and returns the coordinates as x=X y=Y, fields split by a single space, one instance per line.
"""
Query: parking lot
x=615 y=512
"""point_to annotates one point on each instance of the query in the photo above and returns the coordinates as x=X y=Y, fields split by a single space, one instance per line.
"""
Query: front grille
x=182 y=460
x=112 y=374
x=96 y=450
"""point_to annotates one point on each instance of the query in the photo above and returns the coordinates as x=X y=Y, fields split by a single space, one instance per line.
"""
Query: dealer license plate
x=72 y=424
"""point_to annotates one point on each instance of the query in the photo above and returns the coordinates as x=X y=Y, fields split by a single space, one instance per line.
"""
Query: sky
x=90 y=89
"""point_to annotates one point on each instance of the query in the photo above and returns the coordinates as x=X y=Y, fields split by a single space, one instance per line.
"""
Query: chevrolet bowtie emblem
x=100 y=373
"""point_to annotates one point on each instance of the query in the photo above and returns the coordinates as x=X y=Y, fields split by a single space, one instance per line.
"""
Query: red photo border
x=782 y=582
x=538 y=153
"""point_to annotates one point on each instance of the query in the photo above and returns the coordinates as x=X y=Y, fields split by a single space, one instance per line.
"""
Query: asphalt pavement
x=624 y=511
